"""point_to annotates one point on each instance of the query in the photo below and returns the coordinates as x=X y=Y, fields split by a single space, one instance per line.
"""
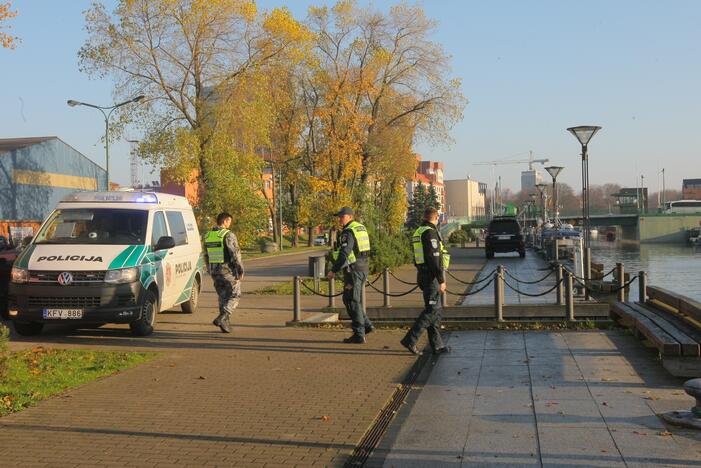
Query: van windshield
x=94 y=226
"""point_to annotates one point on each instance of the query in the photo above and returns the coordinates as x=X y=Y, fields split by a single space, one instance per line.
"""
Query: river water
x=675 y=267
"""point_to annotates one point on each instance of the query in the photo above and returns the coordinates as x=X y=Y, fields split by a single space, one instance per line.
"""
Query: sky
x=529 y=70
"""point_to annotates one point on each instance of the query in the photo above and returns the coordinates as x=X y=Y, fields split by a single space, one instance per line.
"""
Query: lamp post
x=107 y=116
x=584 y=134
x=554 y=171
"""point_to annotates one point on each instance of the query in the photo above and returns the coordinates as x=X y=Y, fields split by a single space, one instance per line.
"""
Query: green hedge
x=389 y=250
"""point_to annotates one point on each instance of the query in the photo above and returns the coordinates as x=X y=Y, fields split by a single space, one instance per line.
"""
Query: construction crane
x=499 y=162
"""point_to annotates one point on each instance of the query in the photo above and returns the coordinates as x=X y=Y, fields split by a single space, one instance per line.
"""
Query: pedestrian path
x=542 y=398
x=531 y=268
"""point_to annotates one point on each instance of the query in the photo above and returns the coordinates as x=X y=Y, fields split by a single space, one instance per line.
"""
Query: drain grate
x=372 y=437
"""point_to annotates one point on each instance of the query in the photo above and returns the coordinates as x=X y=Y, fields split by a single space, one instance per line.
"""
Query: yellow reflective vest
x=418 y=247
x=362 y=240
x=214 y=243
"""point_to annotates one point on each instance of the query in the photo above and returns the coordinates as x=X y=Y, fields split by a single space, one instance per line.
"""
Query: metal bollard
x=477 y=242
x=642 y=287
x=560 y=287
x=296 y=308
x=332 y=292
x=385 y=285
x=620 y=274
x=587 y=272
x=444 y=296
x=499 y=293
x=569 y=297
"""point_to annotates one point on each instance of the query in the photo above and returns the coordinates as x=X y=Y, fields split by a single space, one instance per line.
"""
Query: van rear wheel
x=28 y=328
x=190 y=307
x=143 y=326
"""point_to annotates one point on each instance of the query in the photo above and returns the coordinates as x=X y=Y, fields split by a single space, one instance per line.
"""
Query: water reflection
x=671 y=266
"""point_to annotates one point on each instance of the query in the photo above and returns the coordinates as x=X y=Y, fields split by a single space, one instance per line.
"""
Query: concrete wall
x=666 y=228
x=34 y=178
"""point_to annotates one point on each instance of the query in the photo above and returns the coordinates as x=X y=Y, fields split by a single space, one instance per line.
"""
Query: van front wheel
x=143 y=326
x=190 y=306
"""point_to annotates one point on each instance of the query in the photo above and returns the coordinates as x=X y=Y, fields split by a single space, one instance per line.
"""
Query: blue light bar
x=112 y=197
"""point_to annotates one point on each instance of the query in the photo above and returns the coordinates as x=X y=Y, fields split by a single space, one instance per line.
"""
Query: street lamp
x=584 y=134
x=106 y=115
x=543 y=195
x=554 y=171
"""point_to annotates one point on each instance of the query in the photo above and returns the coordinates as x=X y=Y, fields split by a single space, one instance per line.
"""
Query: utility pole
x=642 y=192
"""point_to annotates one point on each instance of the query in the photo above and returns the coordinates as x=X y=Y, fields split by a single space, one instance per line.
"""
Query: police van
x=108 y=257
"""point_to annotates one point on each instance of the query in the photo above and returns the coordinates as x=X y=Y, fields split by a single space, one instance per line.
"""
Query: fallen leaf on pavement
x=324 y=418
x=201 y=377
x=665 y=433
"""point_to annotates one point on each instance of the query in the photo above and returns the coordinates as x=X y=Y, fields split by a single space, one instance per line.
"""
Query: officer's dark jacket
x=431 y=241
x=347 y=244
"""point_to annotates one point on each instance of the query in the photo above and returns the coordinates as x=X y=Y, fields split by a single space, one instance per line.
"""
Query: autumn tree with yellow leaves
x=7 y=41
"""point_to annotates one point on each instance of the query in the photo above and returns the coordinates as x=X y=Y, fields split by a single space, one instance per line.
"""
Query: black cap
x=346 y=210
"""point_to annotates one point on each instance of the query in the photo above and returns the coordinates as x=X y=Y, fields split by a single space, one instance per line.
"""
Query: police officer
x=430 y=258
x=351 y=256
x=225 y=266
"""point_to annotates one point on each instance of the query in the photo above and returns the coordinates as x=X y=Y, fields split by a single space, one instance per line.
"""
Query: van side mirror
x=164 y=243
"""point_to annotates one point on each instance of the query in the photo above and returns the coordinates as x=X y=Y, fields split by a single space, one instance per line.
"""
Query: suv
x=504 y=235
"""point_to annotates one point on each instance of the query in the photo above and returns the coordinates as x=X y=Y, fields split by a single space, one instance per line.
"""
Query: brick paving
x=266 y=395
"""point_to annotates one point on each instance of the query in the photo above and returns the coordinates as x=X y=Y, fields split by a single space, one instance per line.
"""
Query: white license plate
x=503 y=237
x=63 y=314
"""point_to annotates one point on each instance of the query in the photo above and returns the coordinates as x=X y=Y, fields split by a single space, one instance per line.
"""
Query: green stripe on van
x=121 y=258
x=23 y=260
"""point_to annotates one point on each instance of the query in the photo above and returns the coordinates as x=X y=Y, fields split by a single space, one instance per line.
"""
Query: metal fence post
x=569 y=297
x=296 y=309
x=332 y=292
x=477 y=242
x=642 y=286
x=620 y=275
x=385 y=285
x=587 y=272
x=499 y=293
x=560 y=288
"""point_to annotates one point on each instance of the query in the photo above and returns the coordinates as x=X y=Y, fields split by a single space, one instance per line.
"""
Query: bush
x=457 y=237
x=389 y=250
x=4 y=351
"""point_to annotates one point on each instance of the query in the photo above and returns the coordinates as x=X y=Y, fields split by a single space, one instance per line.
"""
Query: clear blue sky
x=529 y=68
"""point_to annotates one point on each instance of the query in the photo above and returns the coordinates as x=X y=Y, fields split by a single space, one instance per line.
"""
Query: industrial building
x=465 y=200
x=35 y=173
x=691 y=189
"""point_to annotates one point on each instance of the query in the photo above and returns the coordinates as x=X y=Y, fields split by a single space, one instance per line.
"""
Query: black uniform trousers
x=353 y=282
x=430 y=318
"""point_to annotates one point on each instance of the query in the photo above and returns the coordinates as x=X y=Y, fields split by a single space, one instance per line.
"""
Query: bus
x=683 y=206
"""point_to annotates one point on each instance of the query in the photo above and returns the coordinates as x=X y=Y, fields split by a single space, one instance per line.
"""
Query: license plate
x=503 y=237
x=63 y=314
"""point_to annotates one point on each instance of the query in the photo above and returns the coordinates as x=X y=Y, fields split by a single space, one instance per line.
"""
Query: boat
x=693 y=236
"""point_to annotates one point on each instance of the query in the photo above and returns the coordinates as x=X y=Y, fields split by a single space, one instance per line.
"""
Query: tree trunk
x=310 y=241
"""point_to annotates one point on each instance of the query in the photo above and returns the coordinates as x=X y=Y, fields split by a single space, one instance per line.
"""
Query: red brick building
x=691 y=189
x=429 y=173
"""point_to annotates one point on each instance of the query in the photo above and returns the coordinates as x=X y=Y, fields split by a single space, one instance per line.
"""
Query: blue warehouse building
x=37 y=172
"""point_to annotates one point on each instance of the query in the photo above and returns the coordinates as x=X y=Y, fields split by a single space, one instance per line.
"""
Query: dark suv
x=504 y=235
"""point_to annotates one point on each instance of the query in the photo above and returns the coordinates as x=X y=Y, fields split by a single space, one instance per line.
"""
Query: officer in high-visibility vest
x=351 y=256
x=224 y=258
x=430 y=258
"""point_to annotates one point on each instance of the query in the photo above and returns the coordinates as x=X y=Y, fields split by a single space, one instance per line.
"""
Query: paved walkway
x=531 y=268
x=543 y=399
x=266 y=395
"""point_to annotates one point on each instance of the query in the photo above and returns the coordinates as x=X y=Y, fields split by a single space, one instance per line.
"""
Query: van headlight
x=123 y=275
x=19 y=275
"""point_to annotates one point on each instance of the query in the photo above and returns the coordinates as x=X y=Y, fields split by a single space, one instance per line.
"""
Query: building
x=529 y=179
x=428 y=173
x=630 y=201
x=37 y=172
x=691 y=189
x=189 y=189
x=465 y=200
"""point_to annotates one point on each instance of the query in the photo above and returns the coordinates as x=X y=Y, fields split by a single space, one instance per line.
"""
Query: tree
x=198 y=62
x=7 y=41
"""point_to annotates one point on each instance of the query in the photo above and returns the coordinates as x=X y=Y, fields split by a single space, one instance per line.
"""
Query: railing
x=500 y=278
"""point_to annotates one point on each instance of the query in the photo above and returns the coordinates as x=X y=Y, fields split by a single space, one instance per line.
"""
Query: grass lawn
x=256 y=253
x=286 y=289
x=39 y=373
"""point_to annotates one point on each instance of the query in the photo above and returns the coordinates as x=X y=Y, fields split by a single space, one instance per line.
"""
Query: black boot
x=357 y=339
x=369 y=329
x=412 y=348
x=224 y=324
x=217 y=321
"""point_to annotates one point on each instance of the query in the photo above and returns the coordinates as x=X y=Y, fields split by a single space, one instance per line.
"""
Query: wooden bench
x=669 y=322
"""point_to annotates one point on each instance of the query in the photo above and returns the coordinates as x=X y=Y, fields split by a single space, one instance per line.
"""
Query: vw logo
x=65 y=278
